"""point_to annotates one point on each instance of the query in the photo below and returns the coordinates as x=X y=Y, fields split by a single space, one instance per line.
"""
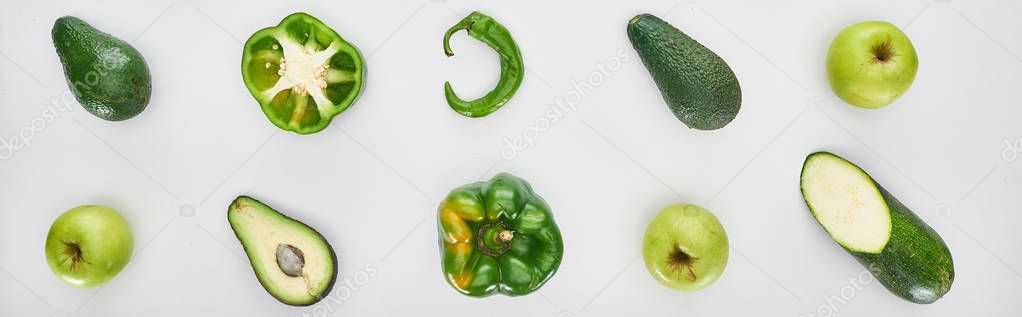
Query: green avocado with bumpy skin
x=108 y=76
x=698 y=86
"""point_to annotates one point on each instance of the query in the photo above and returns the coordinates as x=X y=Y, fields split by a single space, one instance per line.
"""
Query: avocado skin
x=108 y=76
x=698 y=86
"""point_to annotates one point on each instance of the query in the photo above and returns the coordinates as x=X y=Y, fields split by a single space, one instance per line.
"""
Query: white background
x=371 y=181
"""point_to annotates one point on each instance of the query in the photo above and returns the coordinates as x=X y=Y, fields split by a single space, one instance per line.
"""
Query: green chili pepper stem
x=464 y=24
x=512 y=68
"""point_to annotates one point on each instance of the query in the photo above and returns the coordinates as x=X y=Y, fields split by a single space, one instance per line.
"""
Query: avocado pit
x=290 y=259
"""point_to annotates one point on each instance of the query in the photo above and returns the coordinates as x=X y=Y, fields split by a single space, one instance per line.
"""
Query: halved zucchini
x=907 y=256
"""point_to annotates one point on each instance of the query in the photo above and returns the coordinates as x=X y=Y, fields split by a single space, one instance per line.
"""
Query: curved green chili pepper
x=512 y=69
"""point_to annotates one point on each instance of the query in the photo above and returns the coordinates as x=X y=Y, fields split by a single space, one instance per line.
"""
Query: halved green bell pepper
x=302 y=73
x=498 y=237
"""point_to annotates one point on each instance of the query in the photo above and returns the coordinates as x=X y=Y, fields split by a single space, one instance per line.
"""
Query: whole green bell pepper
x=498 y=237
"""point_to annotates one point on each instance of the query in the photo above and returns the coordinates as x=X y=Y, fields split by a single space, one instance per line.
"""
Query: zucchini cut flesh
x=907 y=256
x=845 y=202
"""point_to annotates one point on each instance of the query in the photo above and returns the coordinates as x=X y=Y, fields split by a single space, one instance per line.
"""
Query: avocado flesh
x=699 y=87
x=292 y=261
x=107 y=76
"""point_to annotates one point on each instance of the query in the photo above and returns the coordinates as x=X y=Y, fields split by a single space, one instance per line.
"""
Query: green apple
x=871 y=64
x=685 y=247
x=88 y=245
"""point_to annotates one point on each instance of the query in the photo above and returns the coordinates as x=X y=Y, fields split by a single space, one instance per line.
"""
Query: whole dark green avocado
x=699 y=87
x=108 y=76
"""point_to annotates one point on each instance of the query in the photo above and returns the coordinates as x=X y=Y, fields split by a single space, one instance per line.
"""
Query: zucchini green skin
x=916 y=264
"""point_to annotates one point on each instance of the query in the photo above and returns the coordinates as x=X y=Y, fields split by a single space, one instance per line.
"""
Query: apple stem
x=74 y=253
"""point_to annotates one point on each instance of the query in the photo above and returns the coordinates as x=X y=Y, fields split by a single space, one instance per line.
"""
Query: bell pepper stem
x=505 y=236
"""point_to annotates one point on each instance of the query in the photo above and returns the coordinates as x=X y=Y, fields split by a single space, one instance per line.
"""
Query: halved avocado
x=292 y=261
